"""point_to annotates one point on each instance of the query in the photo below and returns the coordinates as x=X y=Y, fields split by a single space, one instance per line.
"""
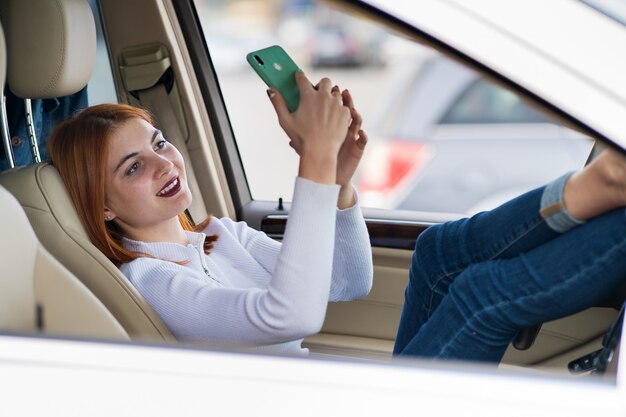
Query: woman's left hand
x=350 y=153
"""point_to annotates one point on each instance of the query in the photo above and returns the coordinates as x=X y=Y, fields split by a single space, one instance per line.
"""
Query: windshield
x=615 y=9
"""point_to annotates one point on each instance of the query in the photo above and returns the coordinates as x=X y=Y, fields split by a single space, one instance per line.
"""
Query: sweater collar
x=194 y=239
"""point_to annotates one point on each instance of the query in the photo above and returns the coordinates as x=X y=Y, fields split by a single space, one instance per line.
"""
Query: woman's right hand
x=316 y=129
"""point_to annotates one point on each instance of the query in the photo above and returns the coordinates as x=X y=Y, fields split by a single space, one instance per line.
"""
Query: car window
x=101 y=88
x=484 y=102
x=405 y=92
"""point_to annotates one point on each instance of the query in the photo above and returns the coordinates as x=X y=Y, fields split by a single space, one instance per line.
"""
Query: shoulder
x=148 y=268
x=225 y=225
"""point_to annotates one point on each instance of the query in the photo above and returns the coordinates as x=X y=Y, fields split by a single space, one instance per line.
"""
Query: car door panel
x=366 y=327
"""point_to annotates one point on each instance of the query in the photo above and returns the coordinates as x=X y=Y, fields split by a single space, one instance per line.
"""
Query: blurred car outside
x=341 y=45
x=235 y=29
x=340 y=40
x=446 y=140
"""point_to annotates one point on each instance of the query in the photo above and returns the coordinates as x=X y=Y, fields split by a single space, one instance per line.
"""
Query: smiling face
x=146 y=185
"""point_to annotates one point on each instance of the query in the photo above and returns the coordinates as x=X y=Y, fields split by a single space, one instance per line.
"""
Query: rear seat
x=62 y=32
x=36 y=292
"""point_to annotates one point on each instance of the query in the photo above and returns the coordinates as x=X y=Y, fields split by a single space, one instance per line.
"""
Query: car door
x=243 y=166
x=154 y=43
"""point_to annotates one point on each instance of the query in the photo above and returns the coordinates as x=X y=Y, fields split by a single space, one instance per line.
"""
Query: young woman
x=221 y=281
x=547 y=254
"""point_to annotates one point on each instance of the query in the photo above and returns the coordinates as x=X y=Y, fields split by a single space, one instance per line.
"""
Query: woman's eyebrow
x=156 y=133
x=124 y=159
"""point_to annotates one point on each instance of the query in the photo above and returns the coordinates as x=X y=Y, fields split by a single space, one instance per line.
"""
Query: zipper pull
x=206 y=271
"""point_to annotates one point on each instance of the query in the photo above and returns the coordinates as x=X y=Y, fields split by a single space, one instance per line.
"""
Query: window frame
x=214 y=102
x=257 y=212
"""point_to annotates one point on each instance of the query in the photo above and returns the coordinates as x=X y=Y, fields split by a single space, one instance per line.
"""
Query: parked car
x=446 y=139
x=160 y=59
x=342 y=45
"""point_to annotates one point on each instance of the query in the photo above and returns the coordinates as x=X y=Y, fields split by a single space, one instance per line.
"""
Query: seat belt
x=157 y=102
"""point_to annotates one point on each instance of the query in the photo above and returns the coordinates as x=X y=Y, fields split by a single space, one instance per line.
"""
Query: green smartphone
x=278 y=71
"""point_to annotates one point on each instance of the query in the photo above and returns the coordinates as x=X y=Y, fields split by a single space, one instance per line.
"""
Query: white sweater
x=251 y=290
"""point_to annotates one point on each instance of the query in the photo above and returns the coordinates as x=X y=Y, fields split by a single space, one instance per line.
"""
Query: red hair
x=78 y=148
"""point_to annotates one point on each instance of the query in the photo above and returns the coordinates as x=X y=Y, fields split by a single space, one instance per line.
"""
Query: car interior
x=56 y=282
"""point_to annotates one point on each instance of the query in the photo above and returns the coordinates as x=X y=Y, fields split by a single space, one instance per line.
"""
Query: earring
x=107 y=218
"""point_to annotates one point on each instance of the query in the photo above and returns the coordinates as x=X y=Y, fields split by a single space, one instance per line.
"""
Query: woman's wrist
x=318 y=168
x=347 y=197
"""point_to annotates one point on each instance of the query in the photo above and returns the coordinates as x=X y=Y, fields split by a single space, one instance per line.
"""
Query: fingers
x=349 y=103
x=347 y=99
x=280 y=106
x=303 y=82
x=362 y=140
x=325 y=85
x=357 y=119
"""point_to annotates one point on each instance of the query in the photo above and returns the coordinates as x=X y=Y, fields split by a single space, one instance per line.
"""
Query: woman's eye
x=132 y=169
x=161 y=144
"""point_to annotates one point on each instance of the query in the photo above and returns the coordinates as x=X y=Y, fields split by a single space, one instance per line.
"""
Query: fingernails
x=270 y=93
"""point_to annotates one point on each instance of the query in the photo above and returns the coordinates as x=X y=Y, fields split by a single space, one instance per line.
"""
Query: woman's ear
x=108 y=215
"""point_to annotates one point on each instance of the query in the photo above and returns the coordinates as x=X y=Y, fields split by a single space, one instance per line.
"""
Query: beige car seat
x=36 y=292
x=51 y=52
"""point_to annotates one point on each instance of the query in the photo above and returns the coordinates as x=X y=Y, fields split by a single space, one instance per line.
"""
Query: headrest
x=51 y=46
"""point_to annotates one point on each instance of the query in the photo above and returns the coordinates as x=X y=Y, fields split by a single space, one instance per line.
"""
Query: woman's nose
x=164 y=166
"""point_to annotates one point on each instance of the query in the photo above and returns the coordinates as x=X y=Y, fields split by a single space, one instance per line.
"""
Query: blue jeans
x=47 y=113
x=475 y=282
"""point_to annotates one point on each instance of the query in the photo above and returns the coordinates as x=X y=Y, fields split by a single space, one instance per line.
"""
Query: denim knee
x=424 y=261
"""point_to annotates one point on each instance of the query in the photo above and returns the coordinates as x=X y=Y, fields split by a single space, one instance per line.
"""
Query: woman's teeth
x=169 y=187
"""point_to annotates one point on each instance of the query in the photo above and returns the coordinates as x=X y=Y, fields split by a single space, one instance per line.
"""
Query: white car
x=565 y=57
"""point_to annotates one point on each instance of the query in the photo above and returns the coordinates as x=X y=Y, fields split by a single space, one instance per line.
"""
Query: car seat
x=52 y=58
x=36 y=292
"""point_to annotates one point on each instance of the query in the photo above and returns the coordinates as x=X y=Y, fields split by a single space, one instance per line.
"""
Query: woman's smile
x=171 y=188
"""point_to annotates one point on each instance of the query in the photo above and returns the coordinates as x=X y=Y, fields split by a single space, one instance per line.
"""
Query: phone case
x=278 y=71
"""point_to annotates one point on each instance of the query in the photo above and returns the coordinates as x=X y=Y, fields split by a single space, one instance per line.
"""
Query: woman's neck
x=169 y=231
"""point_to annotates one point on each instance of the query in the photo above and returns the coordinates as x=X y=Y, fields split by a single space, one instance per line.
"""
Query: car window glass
x=101 y=88
x=404 y=91
x=484 y=102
